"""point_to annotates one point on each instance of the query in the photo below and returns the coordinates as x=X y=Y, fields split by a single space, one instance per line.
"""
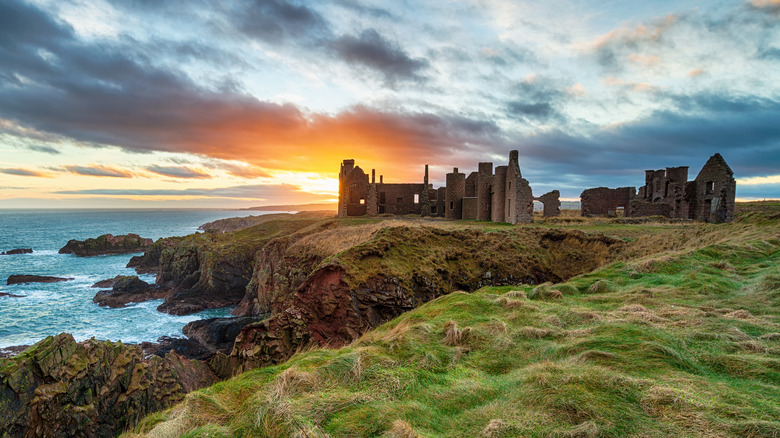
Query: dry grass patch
x=453 y=336
x=739 y=314
x=330 y=242
x=519 y=294
x=494 y=429
x=400 y=429
x=508 y=303
x=535 y=333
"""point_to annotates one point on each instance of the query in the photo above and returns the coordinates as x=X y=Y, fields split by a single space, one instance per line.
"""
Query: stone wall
x=603 y=201
x=470 y=208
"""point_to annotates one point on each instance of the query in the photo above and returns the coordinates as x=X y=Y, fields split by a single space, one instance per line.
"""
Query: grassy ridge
x=683 y=342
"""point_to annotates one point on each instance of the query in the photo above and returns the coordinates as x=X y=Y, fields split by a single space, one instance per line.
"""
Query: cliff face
x=395 y=270
x=210 y=270
x=63 y=388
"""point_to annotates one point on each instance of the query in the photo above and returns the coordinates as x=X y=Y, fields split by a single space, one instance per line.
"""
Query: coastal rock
x=12 y=351
x=107 y=244
x=3 y=294
x=17 y=279
x=128 y=289
x=107 y=283
x=63 y=388
x=17 y=251
x=218 y=334
x=398 y=269
x=189 y=348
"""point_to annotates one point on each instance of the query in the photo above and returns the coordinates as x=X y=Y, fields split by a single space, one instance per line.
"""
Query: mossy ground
x=681 y=337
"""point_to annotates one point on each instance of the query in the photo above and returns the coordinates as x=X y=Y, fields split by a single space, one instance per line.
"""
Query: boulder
x=63 y=388
x=107 y=244
x=128 y=289
x=16 y=279
x=17 y=251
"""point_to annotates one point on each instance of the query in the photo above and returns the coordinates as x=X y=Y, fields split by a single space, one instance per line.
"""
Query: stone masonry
x=503 y=196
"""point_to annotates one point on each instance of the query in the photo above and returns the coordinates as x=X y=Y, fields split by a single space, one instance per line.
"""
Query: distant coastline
x=301 y=207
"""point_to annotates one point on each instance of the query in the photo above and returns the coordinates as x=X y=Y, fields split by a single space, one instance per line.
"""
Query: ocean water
x=51 y=308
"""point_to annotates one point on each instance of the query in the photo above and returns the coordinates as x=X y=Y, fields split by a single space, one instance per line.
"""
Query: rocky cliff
x=329 y=294
x=63 y=388
x=107 y=244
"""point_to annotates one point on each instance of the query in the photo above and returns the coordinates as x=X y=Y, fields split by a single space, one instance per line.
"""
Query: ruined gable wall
x=715 y=192
x=552 y=203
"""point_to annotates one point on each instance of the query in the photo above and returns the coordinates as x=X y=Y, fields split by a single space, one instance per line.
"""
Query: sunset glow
x=134 y=104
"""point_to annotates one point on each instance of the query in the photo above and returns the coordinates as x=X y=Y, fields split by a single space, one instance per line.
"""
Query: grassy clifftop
x=681 y=337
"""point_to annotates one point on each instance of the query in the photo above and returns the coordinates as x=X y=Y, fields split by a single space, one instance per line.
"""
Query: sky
x=231 y=104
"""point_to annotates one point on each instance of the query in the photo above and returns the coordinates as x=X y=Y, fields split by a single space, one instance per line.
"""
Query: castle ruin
x=709 y=198
x=498 y=195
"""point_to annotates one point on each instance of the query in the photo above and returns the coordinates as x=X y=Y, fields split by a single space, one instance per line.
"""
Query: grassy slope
x=681 y=343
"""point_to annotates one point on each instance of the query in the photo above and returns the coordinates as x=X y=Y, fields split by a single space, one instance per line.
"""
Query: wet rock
x=3 y=294
x=218 y=334
x=12 y=351
x=107 y=283
x=17 y=279
x=189 y=348
x=128 y=289
x=17 y=251
x=63 y=388
x=107 y=244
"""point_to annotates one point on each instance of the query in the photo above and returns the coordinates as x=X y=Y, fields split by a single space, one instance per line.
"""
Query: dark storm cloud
x=96 y=170
x=178 y=172
x=279 y=21
x=372 y=50
x=537 y=99
x=743 y=130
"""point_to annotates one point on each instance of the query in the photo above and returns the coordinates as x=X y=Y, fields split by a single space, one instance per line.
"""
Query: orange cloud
x=26 y=172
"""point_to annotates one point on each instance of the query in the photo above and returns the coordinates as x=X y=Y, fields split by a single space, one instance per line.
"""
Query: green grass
x=682 y=342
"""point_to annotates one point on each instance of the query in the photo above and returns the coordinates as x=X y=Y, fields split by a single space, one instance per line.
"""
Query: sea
x=46 y=309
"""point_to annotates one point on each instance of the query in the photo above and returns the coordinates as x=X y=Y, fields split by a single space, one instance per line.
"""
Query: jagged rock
x=63 y=388
x=107 y=244
x=107 y=283
x=128 y=289
x=17 y=251
x=189 y=348
x=16 y=279
x=218 y=334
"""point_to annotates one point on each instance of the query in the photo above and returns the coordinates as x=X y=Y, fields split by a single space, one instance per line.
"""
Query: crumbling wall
x=498 y=197
x=715 y=191
x=552 y=203
x=603 y=201
x=400 y=198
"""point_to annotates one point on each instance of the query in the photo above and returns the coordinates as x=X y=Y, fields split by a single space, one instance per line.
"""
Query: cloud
x=279 y=21
x=98 y=170
x=44 y=149
x=276 y=193
x=370 y=49
x=25 y=172
x=178 y=171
